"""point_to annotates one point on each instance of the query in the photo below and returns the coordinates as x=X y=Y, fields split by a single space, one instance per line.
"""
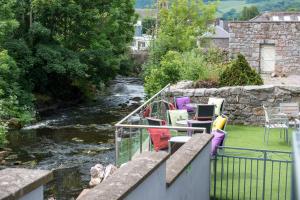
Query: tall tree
x=249 y=13
x=181 y=24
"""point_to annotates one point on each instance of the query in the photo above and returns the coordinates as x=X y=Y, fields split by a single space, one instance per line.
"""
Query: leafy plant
x=3 y=131
x=167 y=72
x=240 y=73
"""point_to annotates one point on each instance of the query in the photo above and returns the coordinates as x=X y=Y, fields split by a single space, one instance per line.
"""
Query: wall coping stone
x=184 y=156
x=266 y=21
x=127 y=178
x=17 y=182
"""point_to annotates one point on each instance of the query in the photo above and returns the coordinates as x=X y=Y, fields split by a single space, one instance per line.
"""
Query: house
x=141 y=42
x=270 y=42
x=217 y=38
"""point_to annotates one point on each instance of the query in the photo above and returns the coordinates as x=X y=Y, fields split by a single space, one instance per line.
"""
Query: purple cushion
x=182 y=102
x=216 y=141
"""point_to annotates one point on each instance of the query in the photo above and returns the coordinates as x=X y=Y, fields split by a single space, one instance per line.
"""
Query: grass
x=252 y=137
x=240 y=174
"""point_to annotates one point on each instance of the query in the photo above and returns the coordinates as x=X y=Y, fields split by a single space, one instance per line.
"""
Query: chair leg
x=265 y=131
x=280 y=132
x=287 y=135
x=268 y=134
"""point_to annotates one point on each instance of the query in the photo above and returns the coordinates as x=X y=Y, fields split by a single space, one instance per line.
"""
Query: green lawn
x=240 y=173
x=252 y=137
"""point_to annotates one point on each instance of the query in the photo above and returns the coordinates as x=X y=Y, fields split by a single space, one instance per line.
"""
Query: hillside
x=233 y=7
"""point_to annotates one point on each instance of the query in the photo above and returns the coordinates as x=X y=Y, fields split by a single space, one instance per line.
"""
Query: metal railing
x=131 y=136
x=240 y=173
x=296 y=166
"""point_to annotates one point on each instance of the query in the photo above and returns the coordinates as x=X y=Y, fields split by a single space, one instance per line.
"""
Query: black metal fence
x=239 y=173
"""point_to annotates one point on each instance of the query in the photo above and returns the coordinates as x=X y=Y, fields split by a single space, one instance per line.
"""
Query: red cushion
x=159 y=137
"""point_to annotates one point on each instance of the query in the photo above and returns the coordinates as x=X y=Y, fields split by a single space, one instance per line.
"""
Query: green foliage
x=230 y=15
x=148 y=25
x=14 y=102
x=180 y=25
x=167 y=72
x=193 y=65
x=171 y=55
x=59 y=49
x=3 y=131
x=249 y=13
x=239 y=74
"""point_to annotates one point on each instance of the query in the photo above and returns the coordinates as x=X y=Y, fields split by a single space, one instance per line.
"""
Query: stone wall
x=247 y=37
x=243 y=104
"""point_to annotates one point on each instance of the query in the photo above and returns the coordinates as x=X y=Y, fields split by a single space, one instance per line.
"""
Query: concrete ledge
x=127 y=178
x=182 y=158
x=15 y=182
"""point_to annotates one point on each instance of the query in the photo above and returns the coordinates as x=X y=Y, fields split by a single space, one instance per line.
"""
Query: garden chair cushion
x=176 y=115
x=159 y=138
x=181 y=103
x=219 y=123
x=218 y=104
x=217 y=140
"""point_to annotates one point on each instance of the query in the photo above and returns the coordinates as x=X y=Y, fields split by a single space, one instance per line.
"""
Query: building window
x=287 y=18
x=275 y=18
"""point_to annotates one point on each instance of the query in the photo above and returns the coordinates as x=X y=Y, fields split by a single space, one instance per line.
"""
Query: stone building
x=270 y=42
x=218 y=38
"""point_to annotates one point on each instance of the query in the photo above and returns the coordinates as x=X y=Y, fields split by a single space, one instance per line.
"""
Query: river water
x=71 y=141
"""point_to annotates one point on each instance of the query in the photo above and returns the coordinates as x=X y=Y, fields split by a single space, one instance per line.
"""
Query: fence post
x=264 y=175
x=215 y=176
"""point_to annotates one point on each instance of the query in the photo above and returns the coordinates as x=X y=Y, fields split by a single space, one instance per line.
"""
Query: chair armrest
x=279 y=120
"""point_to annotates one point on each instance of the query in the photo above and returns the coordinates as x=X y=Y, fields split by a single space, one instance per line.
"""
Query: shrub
x=3 y=131
x=239 y=74
x=168 y=71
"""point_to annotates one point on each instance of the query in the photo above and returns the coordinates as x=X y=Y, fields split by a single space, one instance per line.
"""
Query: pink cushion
x=216 y=141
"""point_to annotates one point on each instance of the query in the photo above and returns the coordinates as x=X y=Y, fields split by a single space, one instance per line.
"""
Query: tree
x=249 y=13
x=180 y=25
x=239 y=74
x=149 y=25
x=231 y=14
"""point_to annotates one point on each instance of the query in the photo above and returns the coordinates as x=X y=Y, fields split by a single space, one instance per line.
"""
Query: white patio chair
x=275 y=122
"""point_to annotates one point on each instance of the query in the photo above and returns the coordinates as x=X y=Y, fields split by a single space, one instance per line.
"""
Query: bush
x=3 y=131
x=168 y=71
x=195 y=65
x=239 y=74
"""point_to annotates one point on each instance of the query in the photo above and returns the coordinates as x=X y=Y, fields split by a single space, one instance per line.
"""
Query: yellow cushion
x=219 y=123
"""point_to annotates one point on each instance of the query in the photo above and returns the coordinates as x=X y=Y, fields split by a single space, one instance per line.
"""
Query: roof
x=219 y=33
x=277 y=16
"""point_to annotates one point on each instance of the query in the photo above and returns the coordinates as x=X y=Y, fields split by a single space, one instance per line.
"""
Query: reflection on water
x=71 y=141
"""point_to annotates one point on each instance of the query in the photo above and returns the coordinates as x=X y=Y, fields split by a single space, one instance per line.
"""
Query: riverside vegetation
x=58 y=51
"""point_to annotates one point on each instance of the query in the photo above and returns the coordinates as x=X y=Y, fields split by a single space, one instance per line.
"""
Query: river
x=70 y=141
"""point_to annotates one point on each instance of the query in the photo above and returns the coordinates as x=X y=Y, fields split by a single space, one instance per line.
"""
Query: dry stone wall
x=247 y=37
x=243 y=104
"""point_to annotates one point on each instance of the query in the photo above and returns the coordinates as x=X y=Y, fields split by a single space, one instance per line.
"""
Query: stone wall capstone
x=243 y=104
